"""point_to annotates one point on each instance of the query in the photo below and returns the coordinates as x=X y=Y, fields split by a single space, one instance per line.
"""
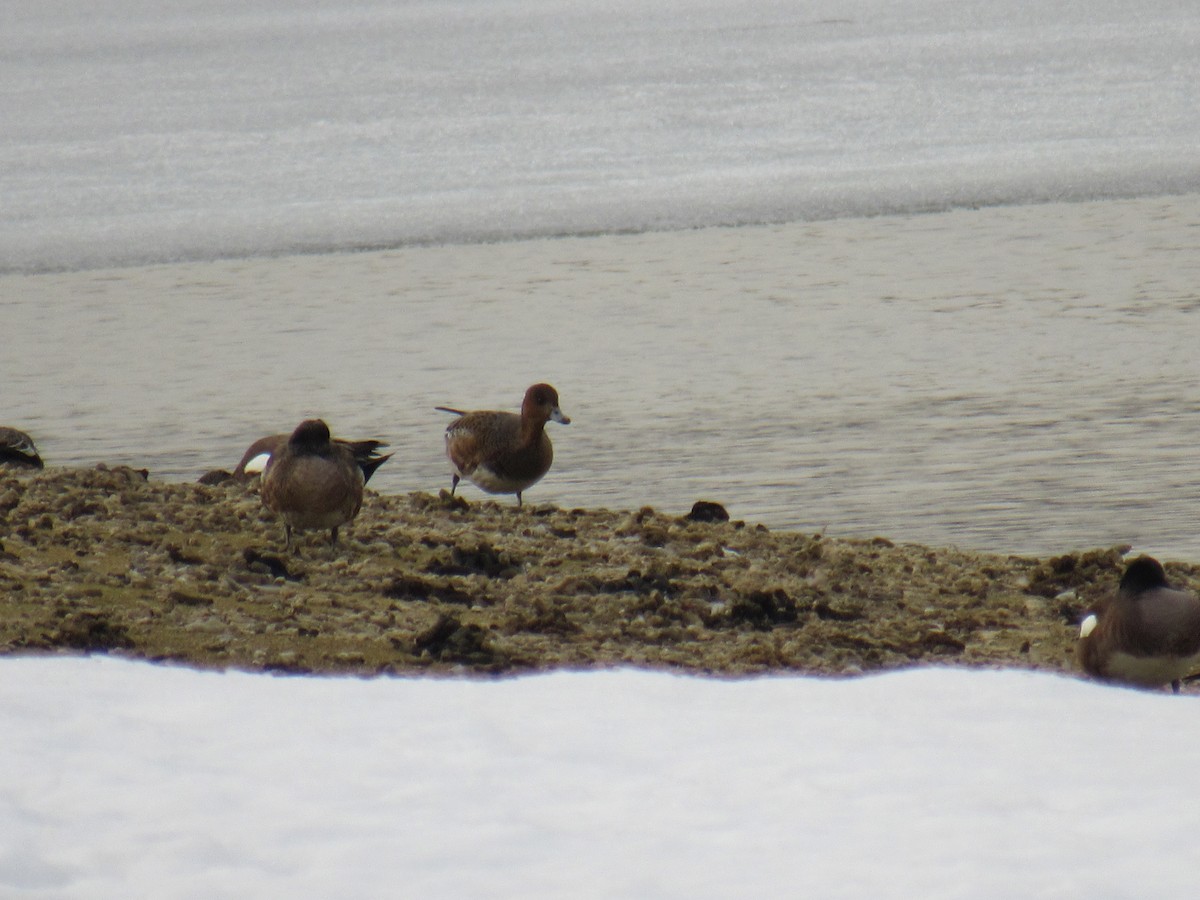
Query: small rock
x=763 y=609
x=183 y=598
x=707 y=511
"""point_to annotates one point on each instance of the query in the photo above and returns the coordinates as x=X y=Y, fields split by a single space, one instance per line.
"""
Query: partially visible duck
x=17 y=448
x=502 y=452
x=313 y=482
x=1147 y=634
x=254 y=460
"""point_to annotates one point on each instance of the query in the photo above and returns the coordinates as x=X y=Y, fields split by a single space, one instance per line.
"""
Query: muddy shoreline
x=106 y=560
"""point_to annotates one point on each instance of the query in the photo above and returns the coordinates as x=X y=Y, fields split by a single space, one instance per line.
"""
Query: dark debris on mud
x=107 y=560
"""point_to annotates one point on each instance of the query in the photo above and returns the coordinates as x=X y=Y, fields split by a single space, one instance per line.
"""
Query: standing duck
x=254 y=461
x=313 y=482
x=502 y=452
x=1147 y=634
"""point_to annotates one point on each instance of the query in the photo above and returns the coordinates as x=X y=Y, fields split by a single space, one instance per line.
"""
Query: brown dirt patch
x=104 y=560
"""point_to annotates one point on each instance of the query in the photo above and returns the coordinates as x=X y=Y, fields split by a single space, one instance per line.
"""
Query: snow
x=124 y=779
x=135 y=133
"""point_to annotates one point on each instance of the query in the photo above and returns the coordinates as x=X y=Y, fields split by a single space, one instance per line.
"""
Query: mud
x=108 y=560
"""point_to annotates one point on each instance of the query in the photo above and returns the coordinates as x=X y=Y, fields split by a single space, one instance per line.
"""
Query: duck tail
x=363 y=449
x=369 y=464
x=366 y=456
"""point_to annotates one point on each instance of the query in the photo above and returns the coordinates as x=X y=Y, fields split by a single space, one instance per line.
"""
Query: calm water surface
x=1020 y=379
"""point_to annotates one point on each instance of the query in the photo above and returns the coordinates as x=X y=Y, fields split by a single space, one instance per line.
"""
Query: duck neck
x=531 y=429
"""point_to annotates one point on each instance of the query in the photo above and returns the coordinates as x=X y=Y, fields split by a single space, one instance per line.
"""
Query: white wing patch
x=1088 y=625
x=257 y=465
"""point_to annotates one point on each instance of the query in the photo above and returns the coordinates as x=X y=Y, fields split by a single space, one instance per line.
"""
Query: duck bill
x=556 y=415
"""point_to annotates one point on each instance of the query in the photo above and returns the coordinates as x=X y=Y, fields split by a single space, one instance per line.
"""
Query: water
x=1016 y=379
x=134 y=132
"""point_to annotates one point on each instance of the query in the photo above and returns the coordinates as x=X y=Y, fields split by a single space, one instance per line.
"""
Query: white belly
x=1151 y=670
x=485 y=479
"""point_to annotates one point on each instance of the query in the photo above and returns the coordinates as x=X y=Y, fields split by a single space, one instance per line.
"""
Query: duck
x=503 y=452
x=1147 y=634
x=254 y=460
x=313 y=482
x=17 y=449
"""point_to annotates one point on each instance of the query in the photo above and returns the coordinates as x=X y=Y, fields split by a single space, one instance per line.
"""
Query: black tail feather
x=369 y=464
